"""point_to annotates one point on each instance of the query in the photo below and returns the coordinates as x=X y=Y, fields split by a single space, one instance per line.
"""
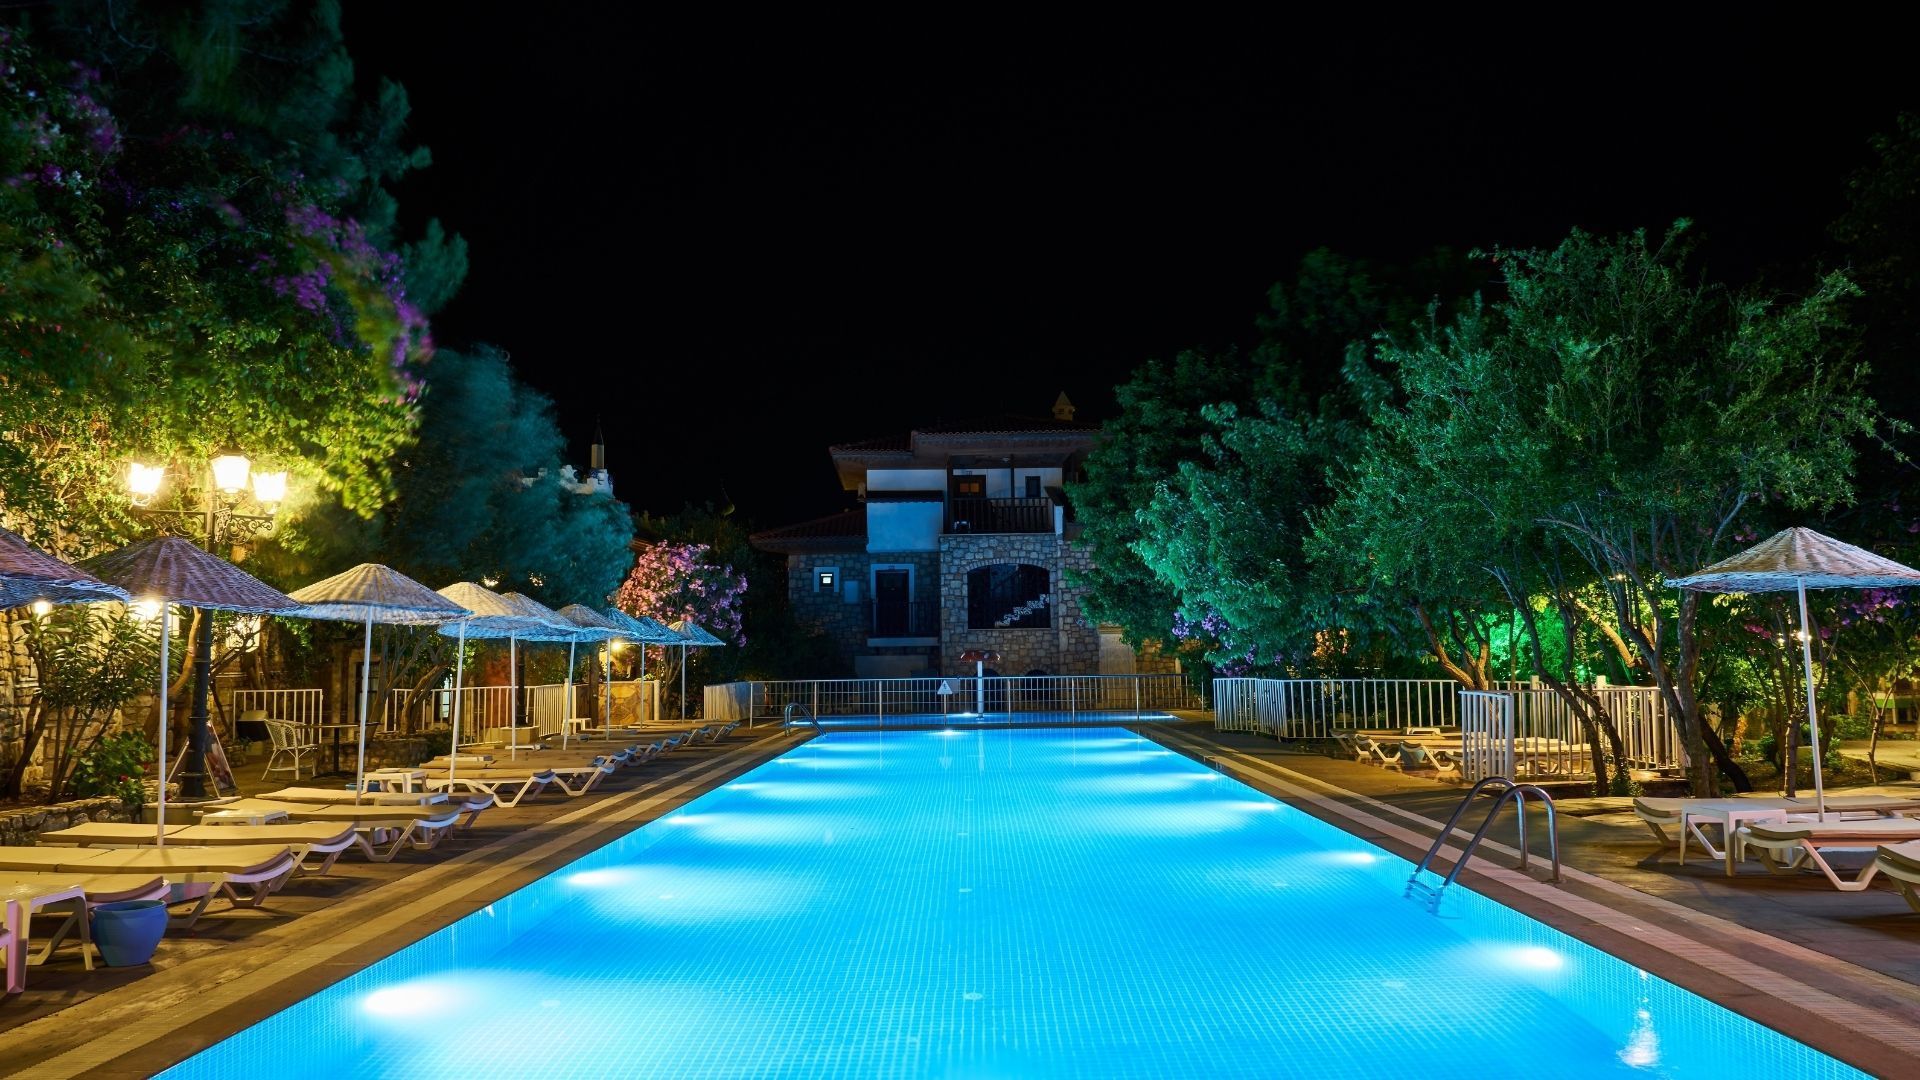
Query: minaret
x=597 y=459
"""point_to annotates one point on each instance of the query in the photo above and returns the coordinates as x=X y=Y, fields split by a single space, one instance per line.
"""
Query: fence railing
x=484 y=708
x=1486 y=733
x=300 y=706
x=903 y=618
x=1316 y=708
x=977 y=515
x=996 y=699
x=1535 y=734
x=1515 y=729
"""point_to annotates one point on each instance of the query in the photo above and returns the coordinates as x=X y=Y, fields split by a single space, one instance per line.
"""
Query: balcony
x=903 y=619
x=976 y=515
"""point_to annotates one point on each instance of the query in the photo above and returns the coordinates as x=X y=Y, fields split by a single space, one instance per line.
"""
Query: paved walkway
x=241 y=966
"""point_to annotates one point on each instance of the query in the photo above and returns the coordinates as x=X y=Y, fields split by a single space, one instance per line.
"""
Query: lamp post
x=215 y=524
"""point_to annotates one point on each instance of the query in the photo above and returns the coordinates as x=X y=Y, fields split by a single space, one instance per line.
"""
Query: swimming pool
x=997 y=903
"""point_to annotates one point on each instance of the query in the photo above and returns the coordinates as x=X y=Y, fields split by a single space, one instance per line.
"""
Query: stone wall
x=844 y=624
x=22 y=825
x=1070 y=646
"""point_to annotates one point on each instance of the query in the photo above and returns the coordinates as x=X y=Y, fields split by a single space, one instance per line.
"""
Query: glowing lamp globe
x=230 y=473
x=270 y=487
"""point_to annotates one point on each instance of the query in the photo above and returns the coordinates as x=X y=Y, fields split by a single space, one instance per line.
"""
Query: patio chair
x=381 y=830
x=324 y=839
x=291 y=742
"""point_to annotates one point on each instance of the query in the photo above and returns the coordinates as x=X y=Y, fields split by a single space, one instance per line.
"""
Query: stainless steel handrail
x=1518 y=795
x=787 y=721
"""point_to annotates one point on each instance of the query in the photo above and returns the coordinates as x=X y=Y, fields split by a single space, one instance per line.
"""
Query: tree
x=674 y=581
x=1216 y=457
x=1609 y=422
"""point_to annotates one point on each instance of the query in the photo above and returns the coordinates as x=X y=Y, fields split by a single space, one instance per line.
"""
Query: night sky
x=736 y=254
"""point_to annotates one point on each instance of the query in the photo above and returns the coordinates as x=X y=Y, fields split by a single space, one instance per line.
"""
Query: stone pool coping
x=1840 y=1009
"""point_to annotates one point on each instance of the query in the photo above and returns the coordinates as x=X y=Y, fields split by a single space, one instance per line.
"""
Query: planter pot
x=129 y=931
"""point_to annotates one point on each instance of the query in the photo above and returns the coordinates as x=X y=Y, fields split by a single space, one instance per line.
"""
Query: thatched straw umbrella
x=493 y=616
x=371 y=593
x=29 y=575
x=1800 y=559
x=692 y=635
x=170 y=570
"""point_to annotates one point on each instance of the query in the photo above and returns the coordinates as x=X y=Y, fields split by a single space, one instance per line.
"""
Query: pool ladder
x=796 y=715
x=1518 y=794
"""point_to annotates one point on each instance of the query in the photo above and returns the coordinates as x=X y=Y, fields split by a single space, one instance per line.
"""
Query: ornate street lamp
x=217 y=524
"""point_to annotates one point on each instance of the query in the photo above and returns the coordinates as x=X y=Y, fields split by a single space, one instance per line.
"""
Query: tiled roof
x=991 y=425
x=848 y=527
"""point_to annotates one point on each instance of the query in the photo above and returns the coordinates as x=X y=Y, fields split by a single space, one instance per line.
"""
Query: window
x=1009 y=596
x=826 y=578
x=1033 y=487
x=969 y=487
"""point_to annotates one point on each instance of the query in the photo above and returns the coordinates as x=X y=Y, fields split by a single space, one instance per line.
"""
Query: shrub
x=114 y=766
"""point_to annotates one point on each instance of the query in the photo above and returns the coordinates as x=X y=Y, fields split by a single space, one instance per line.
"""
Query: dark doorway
x=892 y=608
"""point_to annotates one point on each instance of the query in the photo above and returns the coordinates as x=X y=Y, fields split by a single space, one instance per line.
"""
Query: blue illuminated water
x=997 y=903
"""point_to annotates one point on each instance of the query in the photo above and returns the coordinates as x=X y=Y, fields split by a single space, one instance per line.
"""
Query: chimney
x=1062 y=408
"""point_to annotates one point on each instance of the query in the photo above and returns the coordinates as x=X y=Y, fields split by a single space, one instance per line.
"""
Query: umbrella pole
x=513 y=702
x=1813 y=716
x=643 y=715
x=459 y=675
x=366 y=689
x=683 y=682
x=566 y=710
x=160 y=818
x=606 y=689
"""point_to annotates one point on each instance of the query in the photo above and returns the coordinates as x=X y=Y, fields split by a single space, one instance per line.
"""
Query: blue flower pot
x=129 y=931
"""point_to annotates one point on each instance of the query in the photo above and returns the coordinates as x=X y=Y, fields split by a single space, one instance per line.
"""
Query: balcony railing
x=903 y=618
x=975 y=515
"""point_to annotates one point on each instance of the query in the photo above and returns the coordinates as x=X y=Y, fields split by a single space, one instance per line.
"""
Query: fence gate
x=1486 y=733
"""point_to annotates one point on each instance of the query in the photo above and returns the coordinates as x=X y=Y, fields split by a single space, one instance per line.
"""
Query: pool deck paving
x=1839 y=971
x=240 y=966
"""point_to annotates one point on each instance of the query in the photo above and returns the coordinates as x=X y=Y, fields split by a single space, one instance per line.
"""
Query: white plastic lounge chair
x=331 y=796
x=13 y=946
x=28 y=892
x=324 y=839
x=1786 y=846
x=507 y=787
x=1663 y=813
x=194 y=873
x=380 y=830
x=1901 y=864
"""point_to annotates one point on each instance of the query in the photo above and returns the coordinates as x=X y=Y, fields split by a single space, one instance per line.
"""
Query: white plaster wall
x=904 y=526
x=908 y=479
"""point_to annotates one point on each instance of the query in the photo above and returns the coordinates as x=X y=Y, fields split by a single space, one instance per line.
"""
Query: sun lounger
x=1785 y=846
x=508 y=787
x=1901 y=863
x=1689 y=815
x=28 y=892
x=324 y=839
x=380 y=830
x=331 y=795
x=194 y=873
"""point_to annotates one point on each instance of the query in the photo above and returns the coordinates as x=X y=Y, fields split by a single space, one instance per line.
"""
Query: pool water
x=997 y=903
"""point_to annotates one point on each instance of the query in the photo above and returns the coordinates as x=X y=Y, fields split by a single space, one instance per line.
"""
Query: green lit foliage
x=1197 y=501
x=1606 y=425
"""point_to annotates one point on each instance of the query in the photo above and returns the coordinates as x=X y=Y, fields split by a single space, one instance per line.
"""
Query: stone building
x=962 y=540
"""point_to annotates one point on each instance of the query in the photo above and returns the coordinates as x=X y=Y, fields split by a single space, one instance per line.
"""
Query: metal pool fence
x=1515 y=729
x=485 y=708
x=1315 y=708
x=1534 y=734
x=996 y=699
